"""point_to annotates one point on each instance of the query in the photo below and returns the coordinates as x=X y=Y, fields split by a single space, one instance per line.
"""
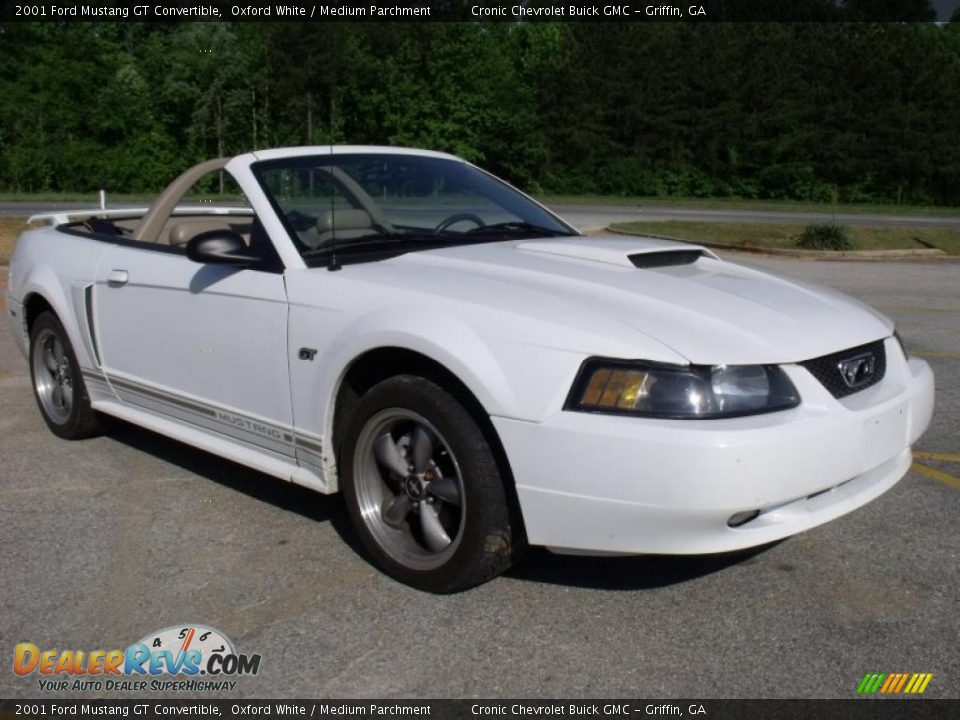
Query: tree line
x=848 y=112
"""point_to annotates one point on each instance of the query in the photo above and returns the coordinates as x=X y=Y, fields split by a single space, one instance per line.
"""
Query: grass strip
x=741 y=204
x=786 y=235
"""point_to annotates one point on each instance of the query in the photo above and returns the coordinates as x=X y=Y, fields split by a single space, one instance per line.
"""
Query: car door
x=203 y=344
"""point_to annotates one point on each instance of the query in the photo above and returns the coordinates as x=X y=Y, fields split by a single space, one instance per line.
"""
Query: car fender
x=67 y=304
x=441 y=337
x=488 y=369
x=58 y=267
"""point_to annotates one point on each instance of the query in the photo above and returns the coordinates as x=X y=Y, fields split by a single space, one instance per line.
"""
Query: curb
x=877 y=255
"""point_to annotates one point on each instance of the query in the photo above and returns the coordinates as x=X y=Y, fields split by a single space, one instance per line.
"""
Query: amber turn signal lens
x=616 y=388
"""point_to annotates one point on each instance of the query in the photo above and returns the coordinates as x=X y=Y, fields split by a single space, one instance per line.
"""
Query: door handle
x=117 y=277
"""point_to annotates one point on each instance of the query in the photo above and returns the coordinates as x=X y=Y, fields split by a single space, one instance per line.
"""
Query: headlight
x=681 y=392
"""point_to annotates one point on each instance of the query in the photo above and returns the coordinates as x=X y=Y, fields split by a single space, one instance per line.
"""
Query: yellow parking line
x=946 y=457
x=945 y=355
x=938 y=475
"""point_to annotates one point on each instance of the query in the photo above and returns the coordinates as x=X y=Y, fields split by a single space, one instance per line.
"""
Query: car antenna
x=334 y=264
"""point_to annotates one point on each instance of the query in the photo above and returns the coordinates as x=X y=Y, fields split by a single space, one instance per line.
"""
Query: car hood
x=705 y=309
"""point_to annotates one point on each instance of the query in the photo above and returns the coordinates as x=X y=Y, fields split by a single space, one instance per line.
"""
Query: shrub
x=825 y=237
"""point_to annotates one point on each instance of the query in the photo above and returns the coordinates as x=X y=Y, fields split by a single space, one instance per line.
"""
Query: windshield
x=371 y=206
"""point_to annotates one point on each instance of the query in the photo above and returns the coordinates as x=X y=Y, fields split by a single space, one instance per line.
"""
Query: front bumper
x=605 y=484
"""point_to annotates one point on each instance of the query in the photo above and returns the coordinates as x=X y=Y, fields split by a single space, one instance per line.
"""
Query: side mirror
x=221 y=247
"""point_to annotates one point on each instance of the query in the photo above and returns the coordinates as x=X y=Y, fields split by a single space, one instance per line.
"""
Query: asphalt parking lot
x=109 y=539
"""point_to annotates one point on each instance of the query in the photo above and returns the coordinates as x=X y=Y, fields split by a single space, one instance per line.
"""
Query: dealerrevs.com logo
x=200 y=658
x=894 y=683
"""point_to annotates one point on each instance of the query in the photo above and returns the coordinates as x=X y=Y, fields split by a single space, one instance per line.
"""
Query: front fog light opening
x=742 y=518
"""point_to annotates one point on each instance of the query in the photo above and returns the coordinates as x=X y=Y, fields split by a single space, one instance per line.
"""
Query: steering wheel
x=458 y=217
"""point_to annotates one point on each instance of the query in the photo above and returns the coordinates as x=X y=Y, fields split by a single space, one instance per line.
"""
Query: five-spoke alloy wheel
x=57 y=382
x=409 y=488
x=423 y=488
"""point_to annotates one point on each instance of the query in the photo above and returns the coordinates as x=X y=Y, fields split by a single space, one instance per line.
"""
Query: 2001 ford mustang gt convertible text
x=469 y=370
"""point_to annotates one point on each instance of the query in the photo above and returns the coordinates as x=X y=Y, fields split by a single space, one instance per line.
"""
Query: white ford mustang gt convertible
x=468 y=369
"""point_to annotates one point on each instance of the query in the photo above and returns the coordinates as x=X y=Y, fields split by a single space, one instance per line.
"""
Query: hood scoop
x=643 y=253
x=665 y=258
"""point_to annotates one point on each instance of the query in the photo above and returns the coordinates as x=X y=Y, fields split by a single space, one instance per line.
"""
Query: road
x=110 y=539
x=590 y=217
x=25 y=209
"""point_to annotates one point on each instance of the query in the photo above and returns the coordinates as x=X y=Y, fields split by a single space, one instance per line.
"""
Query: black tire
x=72 y=421
x=482 y=542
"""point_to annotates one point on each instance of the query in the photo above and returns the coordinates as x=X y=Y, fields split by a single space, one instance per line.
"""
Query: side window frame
x=163 y=213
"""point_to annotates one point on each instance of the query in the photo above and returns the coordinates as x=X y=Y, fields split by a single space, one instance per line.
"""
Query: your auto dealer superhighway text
x=624 y=709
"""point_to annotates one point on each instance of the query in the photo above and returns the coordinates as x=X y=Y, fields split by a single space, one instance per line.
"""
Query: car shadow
x=642 y=572
x=639 y=572
x=253 y=483
x=208 y=275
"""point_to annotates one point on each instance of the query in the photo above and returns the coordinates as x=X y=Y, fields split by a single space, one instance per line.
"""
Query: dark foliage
x=843 y=112
x=825 y=237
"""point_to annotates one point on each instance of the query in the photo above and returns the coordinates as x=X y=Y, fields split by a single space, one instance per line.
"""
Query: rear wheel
x=423 y=489
x=57 y=382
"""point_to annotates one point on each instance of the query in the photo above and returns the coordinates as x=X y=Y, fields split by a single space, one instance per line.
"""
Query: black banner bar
x=858 y=709
x=462 y=10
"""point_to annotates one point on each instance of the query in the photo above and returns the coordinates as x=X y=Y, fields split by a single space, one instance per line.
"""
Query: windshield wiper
x=384 y=240
x=402 y=242
x=518 y=226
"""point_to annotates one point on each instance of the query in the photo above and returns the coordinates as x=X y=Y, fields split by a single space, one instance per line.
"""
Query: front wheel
x=423 y=489
x=57 y=383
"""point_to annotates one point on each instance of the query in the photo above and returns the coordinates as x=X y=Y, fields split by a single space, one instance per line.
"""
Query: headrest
x=343 y=220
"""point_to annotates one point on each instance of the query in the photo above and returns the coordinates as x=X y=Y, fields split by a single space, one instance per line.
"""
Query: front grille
x=826 y=369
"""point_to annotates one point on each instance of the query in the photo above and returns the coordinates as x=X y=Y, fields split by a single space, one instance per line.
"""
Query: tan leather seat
x=181 y=231
x=346 y=224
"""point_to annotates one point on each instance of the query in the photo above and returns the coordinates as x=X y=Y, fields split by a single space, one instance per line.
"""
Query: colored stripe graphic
x=901 y=683
x=870 y=683
x=894 y=683
x=891 y=681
